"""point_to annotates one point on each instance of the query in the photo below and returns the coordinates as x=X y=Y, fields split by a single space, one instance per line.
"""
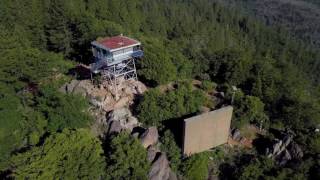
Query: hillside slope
x=300 y=17
x=277 y=80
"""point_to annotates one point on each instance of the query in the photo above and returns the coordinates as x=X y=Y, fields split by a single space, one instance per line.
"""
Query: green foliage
x=21 y=69
x=248 y=109
x=196 y=167
x=208 y=86
x=157 y=65
x=256 y=169
x=157 y=107
x=126 y=158
x=314 y=143
x=183 y=39
x=63 y=110
x=67 y=155
x=20 y=125
x=173 y=152
x=230 y=66
x=27 y=65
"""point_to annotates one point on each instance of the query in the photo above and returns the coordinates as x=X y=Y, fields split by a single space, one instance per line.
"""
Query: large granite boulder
x=121 y=119
x=152 y=153
x=284 y=150
x=160 y=169
x=115 y=127
x=149 y=137
x=295 y=150
x=119 y=114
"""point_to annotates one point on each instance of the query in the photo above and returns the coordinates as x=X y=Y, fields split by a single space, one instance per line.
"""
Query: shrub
x=196 y=167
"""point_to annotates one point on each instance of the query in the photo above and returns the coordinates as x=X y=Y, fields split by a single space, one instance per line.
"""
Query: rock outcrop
x=103 y=96
x=152 y=153
x=115 y=127
x=100 y=126
x=284 y=150
x=160 y=169
x=121 y=119
x=113 y=116
x=103 y=100
x=296 y=151
x=149 y=137
x=236 y=135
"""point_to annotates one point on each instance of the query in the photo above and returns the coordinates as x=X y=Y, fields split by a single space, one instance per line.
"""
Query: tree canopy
x=67 y=155
x=126 y=158
x=277 y=76
x=156 y=106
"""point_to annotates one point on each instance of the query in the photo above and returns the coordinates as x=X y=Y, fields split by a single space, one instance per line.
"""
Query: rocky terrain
x=282 y=149
x=112 y=115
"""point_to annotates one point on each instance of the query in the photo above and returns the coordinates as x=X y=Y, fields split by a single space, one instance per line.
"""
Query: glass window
x=117 y=52
x=104 y=52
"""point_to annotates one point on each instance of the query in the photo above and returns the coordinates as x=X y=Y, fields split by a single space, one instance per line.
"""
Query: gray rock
x=287 y=140
x=160 y=169
x=119 y=114
x=236 y=135
x=135 y=135
x=221 y=94
x=81 y=91
x=115 y=127
x=152 y=152
x=285 y=149
x=149 y=137
x=124 y=117
x=63 y=89
x=283 y=159
x=95 y=102
x=295 y=151
x=70 y=87
x=277 y=148
x=172 y=176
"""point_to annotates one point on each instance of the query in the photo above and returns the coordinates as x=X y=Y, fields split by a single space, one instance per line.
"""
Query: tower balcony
x=104 y=61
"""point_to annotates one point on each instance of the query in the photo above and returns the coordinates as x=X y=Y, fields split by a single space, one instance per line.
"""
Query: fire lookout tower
x=115 y=57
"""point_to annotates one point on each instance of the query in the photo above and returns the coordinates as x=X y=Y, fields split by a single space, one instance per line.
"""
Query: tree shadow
x=229 y=170
x=175 y=125
x=6 y=174
x=80 y=72
x=277 y=133
x=261 y=143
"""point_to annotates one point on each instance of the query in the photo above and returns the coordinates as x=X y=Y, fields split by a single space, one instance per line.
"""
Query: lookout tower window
x=104 y=52
x=136 y=48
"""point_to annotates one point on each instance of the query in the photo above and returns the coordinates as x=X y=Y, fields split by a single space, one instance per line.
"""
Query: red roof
x=117 y=42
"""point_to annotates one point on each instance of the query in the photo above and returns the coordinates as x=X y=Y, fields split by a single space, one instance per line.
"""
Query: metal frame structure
x=115 y=73
x=115 y=60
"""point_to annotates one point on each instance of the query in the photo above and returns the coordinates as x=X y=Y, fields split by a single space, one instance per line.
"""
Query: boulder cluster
x=284 y=150
x=122 y=120
x=281 y=149
x=113 y=116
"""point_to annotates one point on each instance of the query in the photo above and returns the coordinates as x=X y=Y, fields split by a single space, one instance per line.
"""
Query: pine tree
x=57 y=29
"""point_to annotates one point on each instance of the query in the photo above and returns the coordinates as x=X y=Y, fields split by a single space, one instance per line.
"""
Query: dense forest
x=300 y=17
x=45 y=134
